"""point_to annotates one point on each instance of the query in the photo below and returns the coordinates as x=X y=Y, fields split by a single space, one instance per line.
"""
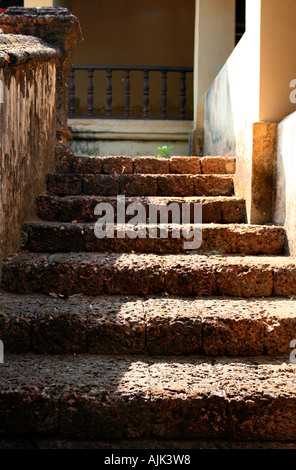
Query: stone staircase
x=116 y=341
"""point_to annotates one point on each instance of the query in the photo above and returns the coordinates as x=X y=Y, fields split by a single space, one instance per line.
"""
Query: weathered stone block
x=213 y=185
x=211 y=210
x=15 y=325
x=116 y=326
x=106 y=398
x=238 y=278
x=256 y=240
x=175 y=185
x=87 y=165
x=110 y=245
x=173 y=327
x=233 y=210
x=134 y=275
x=218 y=239
x=218 y=165
x=189 y=276
x=185 y=165
x=117 y=165
x=185 y=400
x=47 y=207
x=232 y=335
x=50 y=237
x=257 y=394
x=59 y=330
x=63 y=185
x=29 y=397
x=138 y=185
x=285 y=280
x=107 y=185
x=151 y=165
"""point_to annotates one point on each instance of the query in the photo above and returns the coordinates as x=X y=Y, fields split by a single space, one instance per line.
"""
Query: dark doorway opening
x=11 y=3
x=240 y=19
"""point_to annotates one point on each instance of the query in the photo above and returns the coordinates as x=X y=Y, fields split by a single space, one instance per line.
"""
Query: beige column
x=48 y=3
x=272 y=35
x=277 y=58
x=214 y=42
x=38 y=3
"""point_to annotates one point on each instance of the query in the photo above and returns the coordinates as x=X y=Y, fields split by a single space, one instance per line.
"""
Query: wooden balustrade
x=146 y=70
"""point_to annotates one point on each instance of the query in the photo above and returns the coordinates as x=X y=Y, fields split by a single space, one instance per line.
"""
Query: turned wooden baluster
x=109 y=93
x=164 y=93
x=90 y=92
x=146 y=94
x=182 y=94
x=72 y=93
x=127 y=93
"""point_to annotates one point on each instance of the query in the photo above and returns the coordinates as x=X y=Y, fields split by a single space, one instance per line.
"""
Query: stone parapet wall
x=59 y=28
x=35 y=59
x=27 y=129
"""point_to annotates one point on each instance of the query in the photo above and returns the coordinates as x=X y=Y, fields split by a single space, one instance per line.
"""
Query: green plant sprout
x=91 y=153
x=165 y=151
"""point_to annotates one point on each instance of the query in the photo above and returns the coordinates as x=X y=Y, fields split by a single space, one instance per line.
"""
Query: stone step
x=145 y=165
x=140 y=185
x=104 y=397
x=155 y=326
x=81 y=208
x=150 y=274
x=51 y=237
